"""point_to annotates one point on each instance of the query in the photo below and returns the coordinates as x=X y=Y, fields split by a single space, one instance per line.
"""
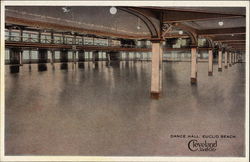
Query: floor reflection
x=14 y=68
x=81 y=65
x=105 y=109
x=42 y=67
x=64 y=66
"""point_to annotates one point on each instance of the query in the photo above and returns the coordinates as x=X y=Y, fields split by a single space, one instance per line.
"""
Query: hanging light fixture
x=220 y=23
x=113 y=10
x=180 y=32
x=138 y=24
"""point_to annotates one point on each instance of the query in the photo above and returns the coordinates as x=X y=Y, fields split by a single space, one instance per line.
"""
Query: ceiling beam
x=225 y=41
x=169 y=35
x=227 y=38
x=236 y=43
x=46 y=25
x=181 y=16
x=233 y=41
x=155 y=8
x=145 y=12
x=142 y=14
x=222 y=31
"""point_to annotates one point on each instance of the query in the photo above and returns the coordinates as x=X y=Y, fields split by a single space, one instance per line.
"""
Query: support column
x=14 y=60
x=220 y=60
x=21 y=35
x=29 y=56
x=39 y=36
x=21 y=57
x=95 y=55
x=52 y=37
x=236 y=58
x=103 y=56
x=64 y=59
x=15 y=56
x=64 y=55
x=161 y=68
x=74 y=56
x=127 y=56
x=226 y=60
x=230 y=59
x=63 y=37
x=81 y=56
x=194 y=65
x=235 y=61
x=108 y=56
x=156 y=75
x=210 y=62
x=9 y=34
x=42 y=55
x=52 y=60
x=81 y=59
x=42 y=59
x=29 y=59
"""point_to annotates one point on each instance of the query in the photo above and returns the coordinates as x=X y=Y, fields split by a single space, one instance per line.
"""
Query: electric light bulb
x=221 y=23
x=180 y=32
x=113 y=10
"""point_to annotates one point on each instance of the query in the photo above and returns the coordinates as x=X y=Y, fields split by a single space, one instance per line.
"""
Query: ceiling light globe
x=221 y=23
x=180 y=32
x=113 y=10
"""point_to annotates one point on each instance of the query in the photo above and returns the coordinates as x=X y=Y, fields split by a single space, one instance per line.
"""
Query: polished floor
x=106 y=110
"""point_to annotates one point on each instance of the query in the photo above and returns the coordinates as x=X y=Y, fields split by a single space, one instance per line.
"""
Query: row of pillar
x=43 y=56
x=16 y=56
x=229 y=59
x=156 y=71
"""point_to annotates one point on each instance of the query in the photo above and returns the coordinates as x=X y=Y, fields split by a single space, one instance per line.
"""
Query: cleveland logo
x=194 y=145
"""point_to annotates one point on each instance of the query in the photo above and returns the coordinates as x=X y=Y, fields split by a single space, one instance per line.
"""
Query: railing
x=67 y=41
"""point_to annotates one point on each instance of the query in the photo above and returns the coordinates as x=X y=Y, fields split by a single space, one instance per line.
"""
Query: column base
x=14 y=69
x=155 y=95
x=225 y=67
x=219 y=69
x=210 y=73
x=193 y=81
x=230 y=65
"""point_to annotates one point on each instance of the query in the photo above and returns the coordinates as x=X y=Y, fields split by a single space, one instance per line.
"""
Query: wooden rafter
x=46 y=25
x=227 y=38
x=222 y=31
x=182 y=16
